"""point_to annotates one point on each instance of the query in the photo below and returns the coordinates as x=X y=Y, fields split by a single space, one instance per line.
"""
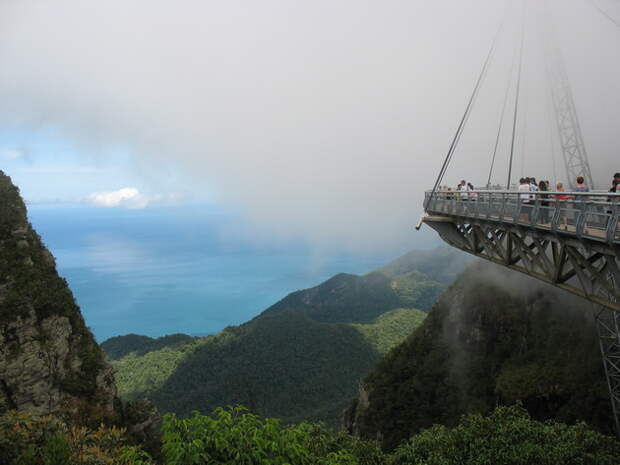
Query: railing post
x=535 y=210
x=519 y=207
x=489 y=204
x=580 y=219
x=613 y=219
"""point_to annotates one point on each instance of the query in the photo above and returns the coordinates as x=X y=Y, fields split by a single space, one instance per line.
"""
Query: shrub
x=235 y=436
x=29 y=440
x=508 y=437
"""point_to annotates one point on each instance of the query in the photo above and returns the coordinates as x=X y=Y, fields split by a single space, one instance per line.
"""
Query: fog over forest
x=322 y=120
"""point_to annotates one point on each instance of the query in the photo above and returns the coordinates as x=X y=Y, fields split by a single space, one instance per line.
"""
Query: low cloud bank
x=321 y=120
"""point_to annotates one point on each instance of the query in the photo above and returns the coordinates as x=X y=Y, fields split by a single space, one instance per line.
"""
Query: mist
x=319 y=120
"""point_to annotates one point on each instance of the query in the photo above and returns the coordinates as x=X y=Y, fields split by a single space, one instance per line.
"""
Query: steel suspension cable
x=501 y=118
x=468 y=108
x=551 y=133
x=516 y=110
x=523 y=135
x=604 y=13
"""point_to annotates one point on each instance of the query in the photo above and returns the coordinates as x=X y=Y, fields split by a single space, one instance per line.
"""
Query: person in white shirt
x=525 y=197
x=462 y=188
x=525 y=189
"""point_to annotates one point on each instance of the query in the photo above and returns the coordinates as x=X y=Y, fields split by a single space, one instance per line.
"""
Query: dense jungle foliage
x=119 y=346
x=508 y=436
x=299 y=360
x=494 y=337
x=284 y=365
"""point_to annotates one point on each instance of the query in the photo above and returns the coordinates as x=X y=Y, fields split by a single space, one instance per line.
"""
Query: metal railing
x=592 y=215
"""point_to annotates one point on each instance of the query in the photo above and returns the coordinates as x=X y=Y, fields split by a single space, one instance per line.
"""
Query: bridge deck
x=594 y=216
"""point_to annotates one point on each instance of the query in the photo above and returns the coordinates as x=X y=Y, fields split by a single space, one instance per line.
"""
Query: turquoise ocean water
x=183 y=269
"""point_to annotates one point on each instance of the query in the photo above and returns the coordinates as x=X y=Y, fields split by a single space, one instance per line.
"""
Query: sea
x=166 y=270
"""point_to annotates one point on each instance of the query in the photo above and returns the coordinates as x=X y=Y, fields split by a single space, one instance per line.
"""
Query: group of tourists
x=464 y=191
x=527 y=186
x=541 y=193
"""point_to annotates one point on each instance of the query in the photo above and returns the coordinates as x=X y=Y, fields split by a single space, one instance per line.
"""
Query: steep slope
x=494 y=337
x=344 y=298
x=414 y=280
x=49 y=360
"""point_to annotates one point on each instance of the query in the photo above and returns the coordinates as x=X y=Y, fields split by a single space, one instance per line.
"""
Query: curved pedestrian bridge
x=568 y=239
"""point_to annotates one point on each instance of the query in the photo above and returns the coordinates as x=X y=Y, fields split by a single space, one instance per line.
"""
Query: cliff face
x=495 y=337
x=49 y=360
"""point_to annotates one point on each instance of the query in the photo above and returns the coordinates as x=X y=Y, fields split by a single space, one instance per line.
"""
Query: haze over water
x=183 y=269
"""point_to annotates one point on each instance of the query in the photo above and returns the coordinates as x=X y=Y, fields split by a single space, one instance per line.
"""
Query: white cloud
x=127 y=197
x=10 y=154
x=130 y=198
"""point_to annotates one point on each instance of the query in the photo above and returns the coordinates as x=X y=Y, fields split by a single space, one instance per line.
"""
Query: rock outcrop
x=49 y=360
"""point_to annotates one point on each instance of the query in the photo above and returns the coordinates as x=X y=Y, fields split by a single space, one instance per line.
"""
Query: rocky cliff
x=49 y=360
x=495 y=337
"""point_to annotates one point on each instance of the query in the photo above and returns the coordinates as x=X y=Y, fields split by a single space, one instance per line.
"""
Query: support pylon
x=608 y=328
x=569 y=130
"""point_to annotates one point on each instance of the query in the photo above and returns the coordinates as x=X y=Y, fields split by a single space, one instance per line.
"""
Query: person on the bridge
x=462 y=190
x=615 y=182
x=581 y=199
x=581 y=185
x=559 y=187
x=470 y=191
x=524 y=196
x=613 y=190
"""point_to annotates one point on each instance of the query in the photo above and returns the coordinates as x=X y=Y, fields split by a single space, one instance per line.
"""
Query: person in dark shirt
x=544 y=202
x=615 y=182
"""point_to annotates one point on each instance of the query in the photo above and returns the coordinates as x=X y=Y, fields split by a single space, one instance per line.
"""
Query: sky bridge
x=572 y=243
x=570 y=240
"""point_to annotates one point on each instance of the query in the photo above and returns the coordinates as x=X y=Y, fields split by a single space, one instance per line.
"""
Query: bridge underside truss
x=588 y=269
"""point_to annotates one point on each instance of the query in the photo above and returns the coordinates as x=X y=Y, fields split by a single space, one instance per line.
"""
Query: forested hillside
x=119 y=346
x=494 y=337
x=301 y=359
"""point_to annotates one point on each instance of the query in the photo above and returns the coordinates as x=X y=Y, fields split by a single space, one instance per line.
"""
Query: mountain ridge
x=346 y=321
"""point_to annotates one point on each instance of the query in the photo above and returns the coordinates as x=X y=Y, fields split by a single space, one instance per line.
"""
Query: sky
x=320 y=120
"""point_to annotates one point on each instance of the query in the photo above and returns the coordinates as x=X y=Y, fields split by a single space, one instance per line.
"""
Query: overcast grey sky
x=320 y=119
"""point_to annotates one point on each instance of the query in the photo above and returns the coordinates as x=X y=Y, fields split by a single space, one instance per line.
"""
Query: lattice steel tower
x=569 y=131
